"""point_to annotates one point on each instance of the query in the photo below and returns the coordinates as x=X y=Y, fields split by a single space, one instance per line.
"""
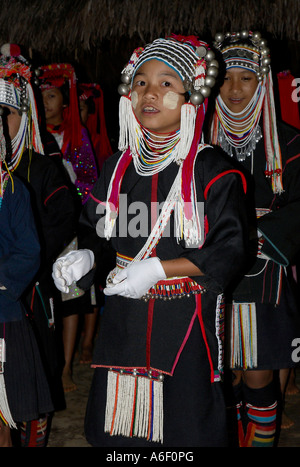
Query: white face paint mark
x=170 y=100
x=134 y=99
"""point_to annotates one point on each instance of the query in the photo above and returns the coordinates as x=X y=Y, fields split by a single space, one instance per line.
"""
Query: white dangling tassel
x=5 y=414
x=270 y=132
x=134 y=406
x=110 y=214
x=128 y=124
x=187 y=128
x=243 y=336
x=191 y=229
x=4 y=407
x=37 y=143
x=110 y=400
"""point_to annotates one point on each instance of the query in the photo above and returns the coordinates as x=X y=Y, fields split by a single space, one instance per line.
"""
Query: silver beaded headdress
x=197 y=67
x=244 y=49
x=9 y=95
x=190 y=58
x=16 y=91
x=248 y=50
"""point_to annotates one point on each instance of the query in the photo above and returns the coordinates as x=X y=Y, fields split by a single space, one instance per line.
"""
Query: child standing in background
x=59 y=92
x=91 y=106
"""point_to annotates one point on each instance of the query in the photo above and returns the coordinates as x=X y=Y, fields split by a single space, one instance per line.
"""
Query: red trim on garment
x=32 y=298
x=154 y=214
x=199 y=312
x=221 y=175
x=149 y=332
x=291 y=159
x=96 y=199
x=184 y=340
x=55 y=191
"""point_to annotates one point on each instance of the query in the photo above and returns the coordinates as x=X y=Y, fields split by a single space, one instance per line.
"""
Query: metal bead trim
x=256 y=40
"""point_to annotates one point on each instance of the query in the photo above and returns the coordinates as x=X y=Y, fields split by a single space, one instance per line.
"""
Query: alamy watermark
x=296 y=351
x=296 y=92
x=135 y=219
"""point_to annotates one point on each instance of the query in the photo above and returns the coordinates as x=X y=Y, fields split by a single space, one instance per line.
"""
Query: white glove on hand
x=135 y=280
x=71 y=267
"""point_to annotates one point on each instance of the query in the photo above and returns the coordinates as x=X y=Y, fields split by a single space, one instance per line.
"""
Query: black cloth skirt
x=194 y=408
x=26 y=384
x=76 y=306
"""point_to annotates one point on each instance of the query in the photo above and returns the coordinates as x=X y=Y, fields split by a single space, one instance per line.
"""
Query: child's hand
x=71 y=267
x=135 y=280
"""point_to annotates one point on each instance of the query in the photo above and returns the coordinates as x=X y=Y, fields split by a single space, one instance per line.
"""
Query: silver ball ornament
x=214 y=62
x=219 y=37
x=125 y=78
x=212 y=71
x=197 y=98
x=205 y=91
x=210 y=55
x=265 y=70
x=266 y=61
x=123 y=89
x=210 y=81
x=244 y=34
x=256 y=35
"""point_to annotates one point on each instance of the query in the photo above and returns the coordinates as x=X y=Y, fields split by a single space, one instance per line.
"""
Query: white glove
x=135 y=280
x=71 y=267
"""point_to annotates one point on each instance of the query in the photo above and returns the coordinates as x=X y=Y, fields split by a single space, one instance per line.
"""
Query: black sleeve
x=281 y=227
x=222 y=255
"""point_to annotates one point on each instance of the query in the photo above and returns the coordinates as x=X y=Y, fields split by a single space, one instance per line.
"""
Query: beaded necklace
x=3 y=184
x=240 y=131
x=154 y=152
x=18 y=143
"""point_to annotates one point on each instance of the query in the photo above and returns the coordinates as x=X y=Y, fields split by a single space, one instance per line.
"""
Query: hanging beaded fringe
x=174 y=287
x=127 y=122
x=243 y=336
x=134 y=405
x=5 y=414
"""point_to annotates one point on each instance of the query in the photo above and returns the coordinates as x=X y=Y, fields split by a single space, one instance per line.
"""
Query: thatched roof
x=47 y=25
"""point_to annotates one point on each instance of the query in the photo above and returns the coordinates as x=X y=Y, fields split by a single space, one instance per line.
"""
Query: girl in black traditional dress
x=264 y=319
x=173 y=212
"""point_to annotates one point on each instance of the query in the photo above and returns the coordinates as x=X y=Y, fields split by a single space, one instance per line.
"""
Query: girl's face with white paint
x=157 y=96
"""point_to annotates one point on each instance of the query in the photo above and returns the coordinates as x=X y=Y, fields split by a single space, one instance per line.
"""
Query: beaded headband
x=189 y=57
x=244 y=50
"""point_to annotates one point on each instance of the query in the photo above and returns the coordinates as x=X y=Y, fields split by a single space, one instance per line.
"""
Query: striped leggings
x=256 y=416
x=34 y=433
